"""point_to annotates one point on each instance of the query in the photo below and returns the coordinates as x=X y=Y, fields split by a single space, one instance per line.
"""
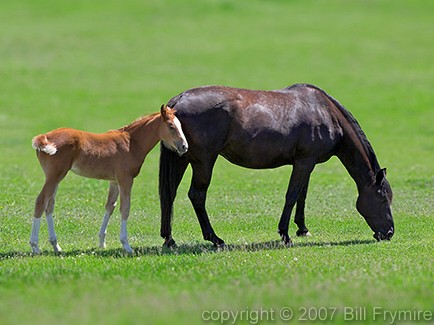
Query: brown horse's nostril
x=389 y=234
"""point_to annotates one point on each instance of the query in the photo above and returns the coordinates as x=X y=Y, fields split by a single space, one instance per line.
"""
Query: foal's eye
x=171 y=127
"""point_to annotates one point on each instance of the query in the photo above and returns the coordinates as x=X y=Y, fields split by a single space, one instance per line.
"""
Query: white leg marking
x=52 y=234
x=103 y=230
x=34 y=237
x=124 y=237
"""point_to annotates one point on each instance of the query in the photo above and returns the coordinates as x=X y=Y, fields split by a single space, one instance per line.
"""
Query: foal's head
x=171 y=133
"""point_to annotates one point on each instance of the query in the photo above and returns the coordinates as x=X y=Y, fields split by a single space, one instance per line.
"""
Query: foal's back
x=87 y=154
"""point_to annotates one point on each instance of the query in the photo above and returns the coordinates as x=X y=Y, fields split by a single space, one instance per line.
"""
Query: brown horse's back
x=259 y=129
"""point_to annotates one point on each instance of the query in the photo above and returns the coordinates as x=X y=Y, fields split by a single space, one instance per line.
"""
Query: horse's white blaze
x=179 y=128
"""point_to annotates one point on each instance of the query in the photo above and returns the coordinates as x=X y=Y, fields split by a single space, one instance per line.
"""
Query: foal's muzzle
x=181 y=147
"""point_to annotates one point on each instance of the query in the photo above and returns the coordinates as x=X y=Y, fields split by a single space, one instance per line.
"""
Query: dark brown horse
x=299 y=125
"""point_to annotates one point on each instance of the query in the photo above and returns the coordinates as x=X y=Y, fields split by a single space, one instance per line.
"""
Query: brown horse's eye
x=381 y=193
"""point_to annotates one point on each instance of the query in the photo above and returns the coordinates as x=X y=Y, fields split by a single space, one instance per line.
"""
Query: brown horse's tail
x=172 y=168
x=41 y=143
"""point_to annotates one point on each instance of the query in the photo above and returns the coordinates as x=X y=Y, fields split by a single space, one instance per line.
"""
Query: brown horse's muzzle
x=380 y=236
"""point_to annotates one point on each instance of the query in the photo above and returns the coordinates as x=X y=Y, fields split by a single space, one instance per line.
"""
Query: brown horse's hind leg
x=299 y=179
x=299 y=213
x=172 y=169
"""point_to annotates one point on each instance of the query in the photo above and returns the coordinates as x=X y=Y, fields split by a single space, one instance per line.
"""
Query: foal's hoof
x=169 y=243
x=303 y=233
x=36 y=250
x=57 y=249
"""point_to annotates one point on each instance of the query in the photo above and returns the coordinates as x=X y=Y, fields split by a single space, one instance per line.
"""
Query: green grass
x=97 y=65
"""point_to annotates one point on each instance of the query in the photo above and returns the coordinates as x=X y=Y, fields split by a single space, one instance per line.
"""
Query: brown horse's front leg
x=197 y=195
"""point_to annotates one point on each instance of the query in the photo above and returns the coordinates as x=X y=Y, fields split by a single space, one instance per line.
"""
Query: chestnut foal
x=116 y=156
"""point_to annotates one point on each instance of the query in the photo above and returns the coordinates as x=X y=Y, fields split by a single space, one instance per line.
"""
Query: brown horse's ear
x=380 y=176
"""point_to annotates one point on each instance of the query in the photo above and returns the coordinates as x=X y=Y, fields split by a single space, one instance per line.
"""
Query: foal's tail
x=172 y=168
x=41 y=143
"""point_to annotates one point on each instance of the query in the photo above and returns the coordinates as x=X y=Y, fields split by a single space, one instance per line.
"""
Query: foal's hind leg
x=49 y=216
x=45 y=202
x=299 y=179
x=109 y=207
x=299 y=213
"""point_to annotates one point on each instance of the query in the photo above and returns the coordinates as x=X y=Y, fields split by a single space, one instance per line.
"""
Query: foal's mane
x=361 y=136
x=138 y=122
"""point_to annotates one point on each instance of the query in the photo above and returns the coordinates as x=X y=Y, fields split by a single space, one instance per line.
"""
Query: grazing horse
x=116 y=156
x=300 y=125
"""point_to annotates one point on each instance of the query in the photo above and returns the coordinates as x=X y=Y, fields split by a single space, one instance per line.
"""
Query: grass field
x=97 y=65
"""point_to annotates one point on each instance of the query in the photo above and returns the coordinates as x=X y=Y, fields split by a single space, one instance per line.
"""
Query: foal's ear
x=163 y=110
x=380 y=176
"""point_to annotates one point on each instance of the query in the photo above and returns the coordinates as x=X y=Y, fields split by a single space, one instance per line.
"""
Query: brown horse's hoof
x=286 y=240
x=170 y=243
x=288 y=243
x=220 y=246
x=303 y=233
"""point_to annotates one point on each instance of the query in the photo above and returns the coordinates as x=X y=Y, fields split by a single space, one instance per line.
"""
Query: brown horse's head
x=171 y=133
x=374 y=203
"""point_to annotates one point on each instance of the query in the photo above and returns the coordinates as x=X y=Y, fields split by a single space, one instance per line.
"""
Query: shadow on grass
x=191 y=249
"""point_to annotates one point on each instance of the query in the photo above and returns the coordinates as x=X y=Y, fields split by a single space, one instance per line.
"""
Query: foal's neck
x=145 y=133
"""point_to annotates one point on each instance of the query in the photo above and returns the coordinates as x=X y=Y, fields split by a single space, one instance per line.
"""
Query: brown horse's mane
x=361 y=136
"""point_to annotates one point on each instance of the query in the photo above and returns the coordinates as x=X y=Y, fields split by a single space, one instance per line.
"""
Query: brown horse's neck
x=357 y=164
x=357 y=155
x=144 y=134
x=355 y=151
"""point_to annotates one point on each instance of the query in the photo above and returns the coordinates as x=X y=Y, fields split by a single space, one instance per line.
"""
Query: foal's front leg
x=125 y=191
x=109 y=207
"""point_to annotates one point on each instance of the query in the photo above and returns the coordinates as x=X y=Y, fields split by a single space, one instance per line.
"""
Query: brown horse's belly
x=259 y=156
